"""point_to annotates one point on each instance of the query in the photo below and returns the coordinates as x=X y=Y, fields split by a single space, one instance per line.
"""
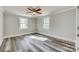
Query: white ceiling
x=21 y=10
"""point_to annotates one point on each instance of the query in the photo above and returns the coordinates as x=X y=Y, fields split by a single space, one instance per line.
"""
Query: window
x=23 y=23
x=46 y=23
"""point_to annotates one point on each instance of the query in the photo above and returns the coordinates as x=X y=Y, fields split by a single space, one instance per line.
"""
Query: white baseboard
x=16 y=35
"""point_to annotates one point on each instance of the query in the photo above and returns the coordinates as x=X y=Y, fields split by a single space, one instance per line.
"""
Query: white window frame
x=46 y=22
x=23 y=23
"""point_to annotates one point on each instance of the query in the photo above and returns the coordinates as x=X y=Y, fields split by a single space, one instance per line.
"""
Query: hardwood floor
x=36 y=43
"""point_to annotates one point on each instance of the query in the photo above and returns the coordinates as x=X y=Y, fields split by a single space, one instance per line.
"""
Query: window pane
x=46 y=20
x=46 y=23
x=22 y=26
x=22 y=20
x=23 y=23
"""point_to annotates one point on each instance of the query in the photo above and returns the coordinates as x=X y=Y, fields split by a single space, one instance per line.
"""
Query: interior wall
x=1 y=25
x=61 y=25
x=11 y=25
x=78 y=20
x=78 y=27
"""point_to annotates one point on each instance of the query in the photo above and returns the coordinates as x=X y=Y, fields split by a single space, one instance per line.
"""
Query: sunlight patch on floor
x=38 y=38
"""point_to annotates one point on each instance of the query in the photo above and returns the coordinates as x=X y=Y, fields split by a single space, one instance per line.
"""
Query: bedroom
x=51 y=29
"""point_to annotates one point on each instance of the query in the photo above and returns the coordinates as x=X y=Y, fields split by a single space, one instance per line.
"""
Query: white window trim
x=46 y=23
x=25 y=22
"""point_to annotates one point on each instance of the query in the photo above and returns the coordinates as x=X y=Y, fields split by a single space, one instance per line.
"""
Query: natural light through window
x=38 y=38
x=46 y=23
x=23 y=23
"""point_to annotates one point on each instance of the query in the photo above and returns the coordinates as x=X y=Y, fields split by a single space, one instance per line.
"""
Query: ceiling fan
x=34 y=10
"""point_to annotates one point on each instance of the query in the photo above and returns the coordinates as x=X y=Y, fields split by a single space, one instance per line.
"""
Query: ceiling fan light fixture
x=34 y=13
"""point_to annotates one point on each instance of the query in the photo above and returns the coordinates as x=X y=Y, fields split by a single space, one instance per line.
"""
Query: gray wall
x=11 y=25
x=1 y=25
x=78 y=27
x=78 y=19
x=61 y=25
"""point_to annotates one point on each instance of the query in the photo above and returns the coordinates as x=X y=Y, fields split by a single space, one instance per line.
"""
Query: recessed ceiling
x=21 y=10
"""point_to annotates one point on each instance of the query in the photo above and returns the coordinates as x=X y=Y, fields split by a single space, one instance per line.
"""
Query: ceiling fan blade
x=29 y=9
x=38 y=12
x=38 y=9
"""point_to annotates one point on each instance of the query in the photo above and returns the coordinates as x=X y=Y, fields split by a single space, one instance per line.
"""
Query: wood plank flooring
x=36 y=43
